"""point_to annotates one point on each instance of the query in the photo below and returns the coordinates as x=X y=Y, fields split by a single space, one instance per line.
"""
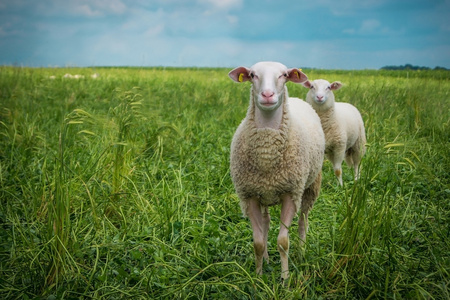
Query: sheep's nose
x=267 y=94
x=319 y=98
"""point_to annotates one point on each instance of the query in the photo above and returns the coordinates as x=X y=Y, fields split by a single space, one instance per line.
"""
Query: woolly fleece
x=267 y=163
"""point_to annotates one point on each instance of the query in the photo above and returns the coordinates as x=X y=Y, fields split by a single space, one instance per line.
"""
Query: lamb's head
x=321 y=92
x=268 y=82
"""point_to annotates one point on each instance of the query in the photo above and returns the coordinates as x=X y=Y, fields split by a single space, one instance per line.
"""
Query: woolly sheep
x=276 y=156
x=342 y=124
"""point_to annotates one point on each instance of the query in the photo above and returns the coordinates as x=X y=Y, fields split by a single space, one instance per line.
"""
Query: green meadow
x=118 y=188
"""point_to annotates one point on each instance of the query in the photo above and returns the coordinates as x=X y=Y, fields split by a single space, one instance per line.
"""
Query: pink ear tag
x=241 y=77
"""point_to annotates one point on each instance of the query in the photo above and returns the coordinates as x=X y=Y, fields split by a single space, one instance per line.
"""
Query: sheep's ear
x=307 y=84
x=296 y=75
x=336 y=85
x=240 y=74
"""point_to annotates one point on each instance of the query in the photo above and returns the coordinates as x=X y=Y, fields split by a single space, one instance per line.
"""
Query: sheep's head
x=321 y=91
x=268 y=82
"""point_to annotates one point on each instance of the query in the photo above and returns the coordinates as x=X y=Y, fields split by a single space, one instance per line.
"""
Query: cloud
x=8 y=29
x=350 y=31
x=84 y=8
x=222 y=4
x=370 y=27
x=233 y=20
x=349 y=7
x=224 y=33
x=154 y=31
x=191 y=23
x=94 y=8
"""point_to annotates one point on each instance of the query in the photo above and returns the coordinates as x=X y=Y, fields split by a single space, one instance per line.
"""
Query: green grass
x=119 y=188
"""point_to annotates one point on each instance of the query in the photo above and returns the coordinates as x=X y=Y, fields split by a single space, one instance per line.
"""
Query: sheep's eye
x=328 y=87
x=312 y=87
x=252 y=75
x=285 y=75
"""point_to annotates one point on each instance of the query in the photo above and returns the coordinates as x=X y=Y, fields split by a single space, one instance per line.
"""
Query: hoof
x=284 y=276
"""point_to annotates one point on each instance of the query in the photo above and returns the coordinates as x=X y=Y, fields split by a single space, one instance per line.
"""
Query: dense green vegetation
x=118 y=187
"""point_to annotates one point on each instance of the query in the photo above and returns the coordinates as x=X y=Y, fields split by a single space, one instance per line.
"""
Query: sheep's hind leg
x=288 y=211
x=303 y=226
x=353 y=158
x=357 y=171
x=259 y=218
x=309 y=197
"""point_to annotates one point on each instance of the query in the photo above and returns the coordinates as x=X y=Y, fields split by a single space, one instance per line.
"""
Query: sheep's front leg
x=336 y=158
x=288 y=211
x=260 y=219
x=266 y=224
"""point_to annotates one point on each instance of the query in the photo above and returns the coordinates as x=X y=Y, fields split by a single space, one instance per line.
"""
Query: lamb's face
x=321 y=91
x=268 y=81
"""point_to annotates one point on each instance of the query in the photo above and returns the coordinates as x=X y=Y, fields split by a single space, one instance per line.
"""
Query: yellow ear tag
x=296 y=73
x=241 y=77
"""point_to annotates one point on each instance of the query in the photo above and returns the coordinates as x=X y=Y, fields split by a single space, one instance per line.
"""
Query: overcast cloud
x=348 y=34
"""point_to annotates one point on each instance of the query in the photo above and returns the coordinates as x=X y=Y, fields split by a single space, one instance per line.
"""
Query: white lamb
x=342 y=124
x=276 y=156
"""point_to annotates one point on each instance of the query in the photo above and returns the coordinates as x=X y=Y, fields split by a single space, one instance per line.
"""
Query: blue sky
x=347 y=34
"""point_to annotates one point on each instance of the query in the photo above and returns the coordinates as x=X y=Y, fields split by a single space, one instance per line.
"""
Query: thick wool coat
x=267 y=163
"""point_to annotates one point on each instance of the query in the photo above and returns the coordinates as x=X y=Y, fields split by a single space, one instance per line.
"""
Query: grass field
x=119 y=188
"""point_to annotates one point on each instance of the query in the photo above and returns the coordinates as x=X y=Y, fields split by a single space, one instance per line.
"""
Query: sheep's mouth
x=268 y=104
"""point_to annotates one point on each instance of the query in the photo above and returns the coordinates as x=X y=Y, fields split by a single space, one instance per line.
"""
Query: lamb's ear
x=240 y=74
x=307 y=84
x=296 y=75
x=336 y=85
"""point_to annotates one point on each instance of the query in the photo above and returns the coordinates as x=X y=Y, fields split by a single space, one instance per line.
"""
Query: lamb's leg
x=336 y=158
x=353 y=160
x=288 y=211
x=353 y=157
x=303 y=226
x=259 y=220
x=357 y=171
x=309 y=197
x=357 y=156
